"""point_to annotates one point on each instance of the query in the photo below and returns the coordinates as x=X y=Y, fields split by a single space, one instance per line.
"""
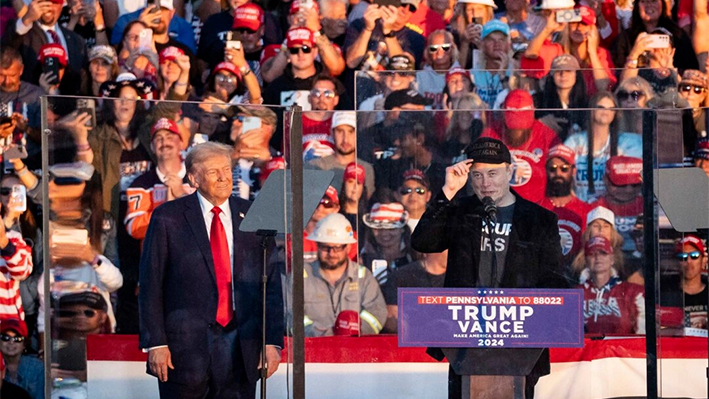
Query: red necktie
x=54 y=36
x=222 y=268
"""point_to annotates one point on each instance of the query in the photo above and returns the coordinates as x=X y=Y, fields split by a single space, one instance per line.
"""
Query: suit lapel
x=236 y=218
x=195 y=220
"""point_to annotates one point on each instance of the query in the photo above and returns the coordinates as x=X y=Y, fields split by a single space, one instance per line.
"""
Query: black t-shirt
x=695 y=309
x=501 y=230
x=412 y=275
x=410 y=41
x=87 y=32
x=10 y=390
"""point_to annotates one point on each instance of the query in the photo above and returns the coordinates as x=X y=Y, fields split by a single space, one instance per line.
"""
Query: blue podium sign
x=490 y=318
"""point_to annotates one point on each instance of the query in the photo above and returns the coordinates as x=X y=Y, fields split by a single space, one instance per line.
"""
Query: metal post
x=295 y=116
x=650 y=250
x=46 y=258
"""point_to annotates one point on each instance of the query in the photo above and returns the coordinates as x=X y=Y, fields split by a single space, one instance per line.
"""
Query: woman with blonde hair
x=467 y=121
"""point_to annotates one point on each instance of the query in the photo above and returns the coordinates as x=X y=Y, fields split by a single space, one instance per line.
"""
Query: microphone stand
x=265 y=235
x=491 y=233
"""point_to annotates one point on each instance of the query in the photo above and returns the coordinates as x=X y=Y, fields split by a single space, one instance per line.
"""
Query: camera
x=566 y=16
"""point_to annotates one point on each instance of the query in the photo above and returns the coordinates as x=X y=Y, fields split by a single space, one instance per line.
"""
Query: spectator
x=693 y=88
x=565 y=91
x=415 y=149
x=294 y=85
x=600 y=221
x=656 y=64
x=601 y=140
x=86 y=20
x=444 y=8
x=324 y=97
x=39 y=27
x=701 y=155
x=595 y=60
x=647 y=16
x=494 y=62
x=333 y=17
x=15 y=266
x=164 y=23
x=623 y=181
x=330 y=55
x=440 y=56
x=425 y=21
x=700 y=32
x=459 y=82
x=167 y=181
x=133 y=57
x=551 y=42
x=633 y=94
x=22 y=99
x=692 y=255
x=227 y=84
x=344 y=135
x=428 y=272
x=329 y=204
x=335 y=279
x=524 y=25
x=353 y=195
x=467 y=24
x=8 y=389
x=388 y=241
x=377 y=142
x=25 y=371
x=414 y=194
x=63 y=82
x=103 y=67
x=560 y=198
x=529 y=142
x=381 y=34
x=400 y=75
x=252 y=24
x=467 y=121
x=175 y=67
x=610 y=305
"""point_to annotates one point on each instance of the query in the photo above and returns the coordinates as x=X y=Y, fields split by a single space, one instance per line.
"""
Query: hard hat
x=555 y=4
x=333 y=229
x=490 y=3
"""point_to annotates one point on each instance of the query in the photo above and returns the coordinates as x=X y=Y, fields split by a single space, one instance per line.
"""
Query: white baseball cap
x=340 y=118
x=490 y=3
x=167 y=4
x=601 y=213
x=555 y=4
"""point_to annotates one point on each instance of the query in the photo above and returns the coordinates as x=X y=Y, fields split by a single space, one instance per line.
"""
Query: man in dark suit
x=525 y=251
x=39 y=27
x=200 y=297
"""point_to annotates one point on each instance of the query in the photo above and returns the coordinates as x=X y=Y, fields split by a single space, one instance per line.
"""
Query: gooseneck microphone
x=490 y=209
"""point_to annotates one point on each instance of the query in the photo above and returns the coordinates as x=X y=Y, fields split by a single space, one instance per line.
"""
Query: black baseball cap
x=91 y=299
x=405 y=96
x=489 y=150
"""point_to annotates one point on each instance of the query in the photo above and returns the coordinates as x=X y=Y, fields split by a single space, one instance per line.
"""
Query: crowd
x=562 y=83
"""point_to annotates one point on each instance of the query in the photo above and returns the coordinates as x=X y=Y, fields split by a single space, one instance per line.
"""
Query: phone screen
x=250 y=123
x=18 y=198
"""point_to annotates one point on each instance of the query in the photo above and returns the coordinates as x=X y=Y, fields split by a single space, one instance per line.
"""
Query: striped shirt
x=15 y=266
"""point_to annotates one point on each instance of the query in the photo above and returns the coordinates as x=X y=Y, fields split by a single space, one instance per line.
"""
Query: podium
x=495 y=373
x=496 y=339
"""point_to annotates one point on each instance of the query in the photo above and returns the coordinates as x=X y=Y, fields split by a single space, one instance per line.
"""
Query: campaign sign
x=485 y=318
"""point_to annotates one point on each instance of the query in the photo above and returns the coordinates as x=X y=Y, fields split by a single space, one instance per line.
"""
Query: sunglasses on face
x=327 y=93
x=409 y=190
x=688 y=88
x=684 y=255
x=327 y=203
x=635 y=95
x=295 y=50
x=331 y=248
x=246 y=31
x=564 y=168
x=225 y=79
x=88 y=313
x=5 y=190
x=434 y=47
x=410 y=7
x=7 y=338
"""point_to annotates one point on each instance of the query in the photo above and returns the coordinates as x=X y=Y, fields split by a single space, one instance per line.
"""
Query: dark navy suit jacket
x=178 y=294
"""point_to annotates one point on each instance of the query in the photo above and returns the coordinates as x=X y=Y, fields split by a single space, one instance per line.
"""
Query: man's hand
x=312 y=19
x=273 y=359
x=159 y=359
x=35 y=10
x=6 y=129
x=174 y=184
x=456 y=177
x=371 y=15
x=389 y=16
x=147 y=16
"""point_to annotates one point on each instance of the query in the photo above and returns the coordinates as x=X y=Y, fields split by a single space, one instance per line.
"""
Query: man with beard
x=166 y=182
x=177 y=27
x=323 y=98
x=560 y=199
x=344 y=135
x=39 y=27
x=339 y=292
x=529 y=142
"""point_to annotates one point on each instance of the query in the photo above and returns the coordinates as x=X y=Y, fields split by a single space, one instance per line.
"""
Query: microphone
x=490 y=209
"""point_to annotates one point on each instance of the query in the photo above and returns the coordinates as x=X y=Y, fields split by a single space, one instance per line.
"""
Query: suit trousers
x=223 y=379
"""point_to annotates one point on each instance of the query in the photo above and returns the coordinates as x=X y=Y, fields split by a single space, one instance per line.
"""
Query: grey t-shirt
x=501 y=232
